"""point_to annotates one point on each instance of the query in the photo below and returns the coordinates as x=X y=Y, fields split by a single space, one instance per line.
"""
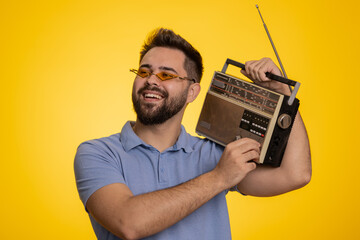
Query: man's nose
x=153 y=80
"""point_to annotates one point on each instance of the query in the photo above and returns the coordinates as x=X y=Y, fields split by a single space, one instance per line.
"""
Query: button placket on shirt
x=163 y=177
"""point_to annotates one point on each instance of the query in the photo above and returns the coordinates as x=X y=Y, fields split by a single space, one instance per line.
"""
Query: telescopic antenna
x=273 y=45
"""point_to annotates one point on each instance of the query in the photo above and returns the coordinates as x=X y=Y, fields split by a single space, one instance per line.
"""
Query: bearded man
x=155 y=181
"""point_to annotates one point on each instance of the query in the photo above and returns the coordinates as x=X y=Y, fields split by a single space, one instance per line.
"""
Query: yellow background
x=65 y=79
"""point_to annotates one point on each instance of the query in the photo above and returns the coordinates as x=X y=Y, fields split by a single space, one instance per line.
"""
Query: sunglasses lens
x=143 y=73
x=165 y=76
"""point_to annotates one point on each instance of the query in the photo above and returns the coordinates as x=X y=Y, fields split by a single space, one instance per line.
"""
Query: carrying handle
x=272 y=76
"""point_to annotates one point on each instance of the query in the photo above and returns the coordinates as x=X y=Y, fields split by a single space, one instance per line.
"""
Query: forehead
x=158 y=57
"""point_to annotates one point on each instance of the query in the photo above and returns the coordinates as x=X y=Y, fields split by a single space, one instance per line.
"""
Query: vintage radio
x=235 y=108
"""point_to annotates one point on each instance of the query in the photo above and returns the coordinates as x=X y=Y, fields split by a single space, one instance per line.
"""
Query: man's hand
x=237 y=161
x=256 y=70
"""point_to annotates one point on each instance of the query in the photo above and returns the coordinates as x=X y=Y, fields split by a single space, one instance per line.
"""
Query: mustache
x=154 y=89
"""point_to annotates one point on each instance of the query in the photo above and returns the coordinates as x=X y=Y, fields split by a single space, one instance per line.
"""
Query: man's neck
x=161 y=136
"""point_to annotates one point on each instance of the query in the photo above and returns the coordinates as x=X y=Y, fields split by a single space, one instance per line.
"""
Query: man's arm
x=132 y=217
x=295 y=169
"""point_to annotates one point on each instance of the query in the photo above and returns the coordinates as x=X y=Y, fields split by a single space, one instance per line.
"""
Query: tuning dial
x=284 y=121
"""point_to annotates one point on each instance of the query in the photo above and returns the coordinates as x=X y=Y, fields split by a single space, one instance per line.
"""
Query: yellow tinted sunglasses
x=163 y=76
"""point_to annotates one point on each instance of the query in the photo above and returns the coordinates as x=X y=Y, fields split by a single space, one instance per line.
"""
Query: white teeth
x=150 y=95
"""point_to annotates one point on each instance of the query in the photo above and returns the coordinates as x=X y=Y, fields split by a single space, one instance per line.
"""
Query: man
x=154 y=180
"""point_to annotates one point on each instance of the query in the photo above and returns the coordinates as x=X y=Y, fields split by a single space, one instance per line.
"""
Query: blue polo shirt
x=125 y=158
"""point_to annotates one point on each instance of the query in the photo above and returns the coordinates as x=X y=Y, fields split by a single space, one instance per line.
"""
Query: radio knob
x=284 y=121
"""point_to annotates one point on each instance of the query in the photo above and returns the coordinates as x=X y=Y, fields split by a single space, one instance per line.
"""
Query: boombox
x=235 y=108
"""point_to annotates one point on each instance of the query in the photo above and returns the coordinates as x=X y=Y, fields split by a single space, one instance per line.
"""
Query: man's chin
x=149 y=116
x=150 y=121
x=149 y=110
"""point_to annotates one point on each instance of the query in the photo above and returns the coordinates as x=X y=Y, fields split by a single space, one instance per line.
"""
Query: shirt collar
x=183 y=142
x=128 y=137
x=130 y=140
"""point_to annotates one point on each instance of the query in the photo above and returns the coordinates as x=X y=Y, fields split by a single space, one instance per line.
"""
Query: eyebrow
x=168 y=69
x=145 y=65
x=161 y=67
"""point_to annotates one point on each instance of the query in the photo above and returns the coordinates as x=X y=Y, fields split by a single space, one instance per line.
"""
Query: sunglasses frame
x=158 y=76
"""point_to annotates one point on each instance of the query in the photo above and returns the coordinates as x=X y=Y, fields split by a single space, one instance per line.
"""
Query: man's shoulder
x=197 y=139
x=112 y=141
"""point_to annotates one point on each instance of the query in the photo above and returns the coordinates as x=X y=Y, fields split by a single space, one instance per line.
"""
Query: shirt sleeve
x=95 y=167
x=235 y=189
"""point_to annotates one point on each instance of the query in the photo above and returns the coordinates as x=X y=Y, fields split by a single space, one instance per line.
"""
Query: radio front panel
x=235 y=108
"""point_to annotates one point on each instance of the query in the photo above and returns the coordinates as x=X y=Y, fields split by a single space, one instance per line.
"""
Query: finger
x=270 y=66
x=251 y=156
x=256 y=68
x=250 y=166
x=244 y=145
x=265 y=65
x=249 y=65
x=246 y=140
x=245 y=73
x=251 y=147
x=263 y=69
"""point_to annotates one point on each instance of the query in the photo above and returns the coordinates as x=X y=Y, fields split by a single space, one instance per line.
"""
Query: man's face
x=156 y=101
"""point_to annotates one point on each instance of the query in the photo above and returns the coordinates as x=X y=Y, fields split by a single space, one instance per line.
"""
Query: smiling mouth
x=152 y=96
x=152 y=93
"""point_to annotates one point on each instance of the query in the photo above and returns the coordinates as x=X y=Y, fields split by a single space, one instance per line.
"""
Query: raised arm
x=295 y=169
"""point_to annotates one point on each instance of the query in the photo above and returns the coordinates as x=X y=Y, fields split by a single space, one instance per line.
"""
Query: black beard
x=147 y=114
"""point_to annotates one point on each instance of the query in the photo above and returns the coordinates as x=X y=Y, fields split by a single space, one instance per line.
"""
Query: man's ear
x=193 y=92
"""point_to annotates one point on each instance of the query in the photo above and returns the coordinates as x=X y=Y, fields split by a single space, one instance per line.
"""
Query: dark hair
x=167 y=38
